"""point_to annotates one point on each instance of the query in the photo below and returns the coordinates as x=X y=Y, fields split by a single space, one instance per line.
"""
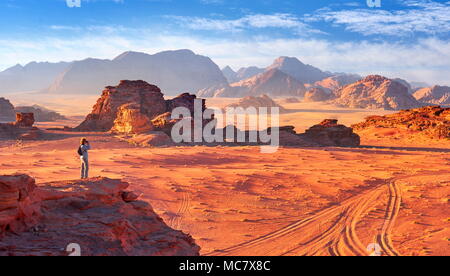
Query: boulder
x=164 y=123
x=97 y=214
x=24 y=119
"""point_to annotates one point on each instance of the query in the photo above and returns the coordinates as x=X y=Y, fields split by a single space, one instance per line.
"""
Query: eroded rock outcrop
x=432 y=121
x=97 y=214
x=148 y=97
x=330 y=133
x=130 y=108
x=131 y=120
x=7 y=112
x=24 y=119
x=376 y=92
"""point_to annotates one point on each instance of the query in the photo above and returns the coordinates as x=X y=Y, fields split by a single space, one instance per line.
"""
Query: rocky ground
x=98 y=216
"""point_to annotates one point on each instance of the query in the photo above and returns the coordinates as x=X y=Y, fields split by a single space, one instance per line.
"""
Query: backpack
x=80 y=151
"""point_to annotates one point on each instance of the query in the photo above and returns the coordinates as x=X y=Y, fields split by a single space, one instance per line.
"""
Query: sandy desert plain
x=392 y=191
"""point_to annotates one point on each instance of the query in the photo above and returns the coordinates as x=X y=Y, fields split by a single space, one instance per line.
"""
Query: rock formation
x=148 y=98
x=24 y=119
x=317 y=95
x=326 y=134
x=7 y=112
x=376 y=92
x=330 y=133
x=439 y=95
x=41 y=114
x=433 y=121
x=131 y=120
x=257 y=102
x=132 y=107
x=97 y=214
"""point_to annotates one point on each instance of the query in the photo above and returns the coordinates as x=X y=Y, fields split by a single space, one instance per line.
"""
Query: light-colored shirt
x=84 y=150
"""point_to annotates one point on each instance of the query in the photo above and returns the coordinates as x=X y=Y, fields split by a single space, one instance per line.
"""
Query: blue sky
x=402 y=38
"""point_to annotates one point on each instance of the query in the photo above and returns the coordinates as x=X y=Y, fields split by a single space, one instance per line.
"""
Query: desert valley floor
x=391 y=191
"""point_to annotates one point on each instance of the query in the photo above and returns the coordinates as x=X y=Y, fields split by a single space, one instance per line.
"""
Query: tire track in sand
x=392 y=212
x=176 y=221
x=302 y=237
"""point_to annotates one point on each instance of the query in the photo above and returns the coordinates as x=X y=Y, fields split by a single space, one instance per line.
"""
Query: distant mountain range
x=31 y=77
x=173 y=71
x=180 y=71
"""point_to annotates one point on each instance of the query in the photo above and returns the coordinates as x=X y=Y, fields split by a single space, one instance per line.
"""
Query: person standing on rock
x=84 y=156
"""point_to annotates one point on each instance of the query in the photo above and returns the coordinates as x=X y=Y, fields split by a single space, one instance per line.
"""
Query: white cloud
x=418 y=16
x=255 y=21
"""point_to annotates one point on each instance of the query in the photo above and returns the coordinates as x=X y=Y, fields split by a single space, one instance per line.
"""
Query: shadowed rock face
x=433 y=121
x=434 y=95
x=330 y=133
x=316 y=95
x=98 y=214
x=7 y=112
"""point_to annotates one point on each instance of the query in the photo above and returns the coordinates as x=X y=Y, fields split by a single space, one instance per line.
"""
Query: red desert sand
x=392 y=191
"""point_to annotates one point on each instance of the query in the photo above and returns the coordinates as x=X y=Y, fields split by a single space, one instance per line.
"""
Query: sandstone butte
x=131 y=106
x=376 y=92
x=98 y=214
x=432 y=121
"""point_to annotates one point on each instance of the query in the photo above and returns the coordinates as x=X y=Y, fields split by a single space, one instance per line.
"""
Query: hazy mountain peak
x=298 y=70
x=129 y=55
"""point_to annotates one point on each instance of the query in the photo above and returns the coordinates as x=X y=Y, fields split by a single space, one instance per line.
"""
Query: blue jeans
x=84 y=168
